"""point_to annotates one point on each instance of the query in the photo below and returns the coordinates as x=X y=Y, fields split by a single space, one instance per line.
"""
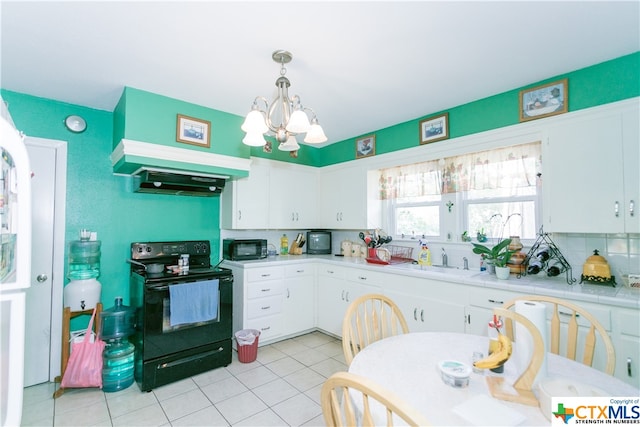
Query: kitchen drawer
x=299 y=270
x=264 y=273
x=331 y=271
x=491 y=298
x=367 y=277
x=629 y=323
x=269 y=327
x=266 y=288
x=260 y=307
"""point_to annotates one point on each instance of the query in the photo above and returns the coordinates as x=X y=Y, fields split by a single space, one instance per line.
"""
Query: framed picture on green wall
x=366 y=146
x=434 y=128
x=543 y=101
x=193 y=131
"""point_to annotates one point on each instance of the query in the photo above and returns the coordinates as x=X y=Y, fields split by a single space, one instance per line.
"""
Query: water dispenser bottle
x=117 y=365
x=83 y=290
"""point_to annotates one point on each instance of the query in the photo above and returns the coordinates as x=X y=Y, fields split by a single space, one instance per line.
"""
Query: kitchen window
x=496 y=192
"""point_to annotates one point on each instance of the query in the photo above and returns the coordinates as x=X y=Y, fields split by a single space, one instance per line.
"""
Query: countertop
x=619 y=295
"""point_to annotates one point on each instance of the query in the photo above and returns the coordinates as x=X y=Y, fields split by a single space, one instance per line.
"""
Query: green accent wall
x=599 y=84
x=98 y=200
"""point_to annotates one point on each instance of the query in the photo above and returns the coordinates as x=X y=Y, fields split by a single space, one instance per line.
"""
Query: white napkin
x=483 y=410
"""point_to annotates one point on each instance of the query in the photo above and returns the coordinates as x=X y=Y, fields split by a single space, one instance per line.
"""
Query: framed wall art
x=193 y=131
x=434 y=128
x=543 y=101
x=365 y=146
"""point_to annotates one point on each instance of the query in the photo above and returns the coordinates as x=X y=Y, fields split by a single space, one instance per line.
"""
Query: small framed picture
x=434 y=129
x=366 y=146
x=543 y=101
x=193 y=131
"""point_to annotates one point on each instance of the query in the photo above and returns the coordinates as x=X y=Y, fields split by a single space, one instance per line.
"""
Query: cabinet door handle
x=330 y=271
x=340 y=216
x=632 y=207
x=362 y=277
x=266 y=308
x=288 y=293
x=629 y=366
x=564 y=313
x=337 y=216
x=299 y=271
x=415 y=313
x=616 y=209
x=348 y=296
x=342 y=295
x=297 y=218
x=422 y=315
x=265 y=290
x=293 y=216
x=239 y=214
x=265 y=329
x=495 y=301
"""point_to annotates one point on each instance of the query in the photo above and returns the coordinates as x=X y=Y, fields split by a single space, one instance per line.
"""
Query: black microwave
x=318 y=242
x=244 y=249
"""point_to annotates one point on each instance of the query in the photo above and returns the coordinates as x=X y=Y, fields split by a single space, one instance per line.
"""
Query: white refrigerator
x=15 y=265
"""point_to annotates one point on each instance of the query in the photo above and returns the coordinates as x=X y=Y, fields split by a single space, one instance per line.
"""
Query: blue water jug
x=117 y=365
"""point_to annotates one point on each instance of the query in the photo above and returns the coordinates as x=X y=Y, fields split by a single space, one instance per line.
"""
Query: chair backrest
x=370 y=318
x=573 y=312
x=353 y=400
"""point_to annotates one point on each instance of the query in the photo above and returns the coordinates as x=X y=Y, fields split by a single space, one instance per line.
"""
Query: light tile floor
x=281 y=388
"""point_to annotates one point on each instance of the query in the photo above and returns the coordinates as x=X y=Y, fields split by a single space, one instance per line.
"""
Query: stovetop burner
x=167 y=254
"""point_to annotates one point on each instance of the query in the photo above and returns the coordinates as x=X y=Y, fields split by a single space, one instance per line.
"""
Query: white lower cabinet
x=263 y=301
x=298 y=298
x=428 y=305
x=281 y=301
x=626 y=341
x=479 y=310
x=337 y=288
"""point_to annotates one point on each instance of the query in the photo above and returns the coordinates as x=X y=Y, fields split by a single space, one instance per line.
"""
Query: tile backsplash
x=622 y=251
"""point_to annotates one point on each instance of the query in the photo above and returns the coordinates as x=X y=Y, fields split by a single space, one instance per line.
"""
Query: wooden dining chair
x=572 y=312
x=347 y=400
x=370 y=318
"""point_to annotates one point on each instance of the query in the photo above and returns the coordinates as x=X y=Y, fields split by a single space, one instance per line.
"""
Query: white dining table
x=407 y=365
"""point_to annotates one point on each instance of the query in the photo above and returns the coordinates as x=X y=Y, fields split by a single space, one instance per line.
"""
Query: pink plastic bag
x=84 y=368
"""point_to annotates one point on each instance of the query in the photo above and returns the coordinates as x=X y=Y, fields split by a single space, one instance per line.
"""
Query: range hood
x=176 y=182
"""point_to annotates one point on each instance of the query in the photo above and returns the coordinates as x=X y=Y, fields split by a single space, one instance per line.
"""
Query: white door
x=43 y=298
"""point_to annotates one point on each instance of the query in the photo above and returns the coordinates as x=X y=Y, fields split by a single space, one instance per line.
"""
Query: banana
x=497 y=356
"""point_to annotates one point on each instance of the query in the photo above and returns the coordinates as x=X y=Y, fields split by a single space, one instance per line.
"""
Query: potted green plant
x=497 y=255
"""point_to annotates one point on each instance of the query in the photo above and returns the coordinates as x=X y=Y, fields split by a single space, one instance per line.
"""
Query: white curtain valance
x=510 y=167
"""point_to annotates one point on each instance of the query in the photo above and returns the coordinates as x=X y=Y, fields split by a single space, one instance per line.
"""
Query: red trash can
x=247 y=340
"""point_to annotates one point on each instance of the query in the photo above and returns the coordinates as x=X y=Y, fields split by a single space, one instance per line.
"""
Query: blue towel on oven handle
x=193 y=302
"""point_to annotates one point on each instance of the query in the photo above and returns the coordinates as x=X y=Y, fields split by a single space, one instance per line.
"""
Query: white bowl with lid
x=454 y=373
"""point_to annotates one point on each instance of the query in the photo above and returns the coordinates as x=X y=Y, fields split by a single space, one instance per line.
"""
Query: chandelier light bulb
x=290 y=145
x=316 y=134
x=254 y=123
x=254 y=139
x=298 y=122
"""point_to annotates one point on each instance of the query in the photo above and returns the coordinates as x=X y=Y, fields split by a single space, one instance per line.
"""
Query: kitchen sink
x=438 y=269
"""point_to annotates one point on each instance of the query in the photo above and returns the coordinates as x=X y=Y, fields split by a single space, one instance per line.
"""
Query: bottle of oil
x=284 y=245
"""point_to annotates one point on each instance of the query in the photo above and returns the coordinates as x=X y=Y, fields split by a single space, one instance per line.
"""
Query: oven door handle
x=189 y=359
x=164 y=287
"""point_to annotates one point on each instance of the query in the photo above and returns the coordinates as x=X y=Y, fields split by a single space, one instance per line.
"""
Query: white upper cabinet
x=293 y=196
x=244 y=201
x=591 y=178
x=343 y=198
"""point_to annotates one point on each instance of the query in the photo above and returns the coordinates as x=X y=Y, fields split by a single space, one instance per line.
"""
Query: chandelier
x=284 y=118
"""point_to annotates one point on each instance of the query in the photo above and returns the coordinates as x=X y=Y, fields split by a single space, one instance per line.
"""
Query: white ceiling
x=361 y=66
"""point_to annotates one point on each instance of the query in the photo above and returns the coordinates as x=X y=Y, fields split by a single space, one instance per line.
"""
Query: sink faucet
x=445 y=262
x=465 y=263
